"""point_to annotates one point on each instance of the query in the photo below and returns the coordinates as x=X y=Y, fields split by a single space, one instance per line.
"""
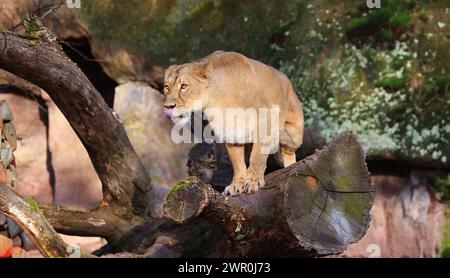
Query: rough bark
x=10 y=81
x=106 y=220
x=43 y=63
x=98 y=222
x=317 y=206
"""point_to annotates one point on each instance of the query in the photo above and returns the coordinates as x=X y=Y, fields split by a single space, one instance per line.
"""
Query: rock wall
x=52 y=164
x=407 y=220
x=33 y=178
x=76 y=182
x=140 y=109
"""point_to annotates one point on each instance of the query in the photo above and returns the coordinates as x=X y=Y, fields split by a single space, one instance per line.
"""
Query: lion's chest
x=239 y=126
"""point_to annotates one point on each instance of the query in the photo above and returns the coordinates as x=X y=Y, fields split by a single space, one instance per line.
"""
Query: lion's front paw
x=233 y=189
x=253 y=184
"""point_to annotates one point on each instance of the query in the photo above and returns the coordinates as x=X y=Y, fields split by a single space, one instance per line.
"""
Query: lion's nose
x=170 y=106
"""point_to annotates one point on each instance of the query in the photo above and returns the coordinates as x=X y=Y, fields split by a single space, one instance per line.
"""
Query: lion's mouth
x=176 y=115
x=168 y=112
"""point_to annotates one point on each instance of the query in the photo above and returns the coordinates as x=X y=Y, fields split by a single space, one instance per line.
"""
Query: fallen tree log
x=317 y=206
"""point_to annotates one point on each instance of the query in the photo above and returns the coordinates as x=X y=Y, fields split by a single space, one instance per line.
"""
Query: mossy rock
x=179 y=31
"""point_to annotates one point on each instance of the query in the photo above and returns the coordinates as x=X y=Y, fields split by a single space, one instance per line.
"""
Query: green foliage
x=445 y=253
x=442 y=184
x=385 y=35
x=361 y=23
x=32 y=23
x=181 y=185
x=394 y=96
x=392 y=83
x=33 y=26
x=178 y=31
x=34 y=207
x=442 y=82
x=400 y=20
x=392 y=18
x=446 y=250
x=423 y=17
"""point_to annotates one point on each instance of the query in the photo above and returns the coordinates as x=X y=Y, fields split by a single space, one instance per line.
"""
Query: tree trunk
x=43 y=63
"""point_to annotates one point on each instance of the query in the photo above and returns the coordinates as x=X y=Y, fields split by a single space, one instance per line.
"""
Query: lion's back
x=246 y=81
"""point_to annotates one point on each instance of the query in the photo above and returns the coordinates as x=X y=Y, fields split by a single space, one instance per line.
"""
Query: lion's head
x=185 y=88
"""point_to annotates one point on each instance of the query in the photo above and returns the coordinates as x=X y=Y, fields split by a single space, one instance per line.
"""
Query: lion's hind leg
x=291 y=138
x=257 y=167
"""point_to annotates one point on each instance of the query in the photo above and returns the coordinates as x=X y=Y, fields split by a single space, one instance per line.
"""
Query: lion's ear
x=202 y=70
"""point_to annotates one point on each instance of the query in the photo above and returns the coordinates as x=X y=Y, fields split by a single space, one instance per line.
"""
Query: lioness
x=226 y=80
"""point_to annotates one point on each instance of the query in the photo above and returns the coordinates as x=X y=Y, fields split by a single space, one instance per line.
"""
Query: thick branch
x=34 y=223
x=317 y=206
x=44 y=64
x=106 y=221
x=99 y=222
x=10 y=81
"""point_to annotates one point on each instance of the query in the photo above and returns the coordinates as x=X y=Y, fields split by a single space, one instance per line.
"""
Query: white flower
x=441 y=24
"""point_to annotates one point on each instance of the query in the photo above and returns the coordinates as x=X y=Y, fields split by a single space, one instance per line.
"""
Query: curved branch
x=10 y=81
x=98 y=222
x=43 y=63
x=37 y=227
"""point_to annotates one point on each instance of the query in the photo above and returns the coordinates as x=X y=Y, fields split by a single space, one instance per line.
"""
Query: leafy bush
x=442 y=184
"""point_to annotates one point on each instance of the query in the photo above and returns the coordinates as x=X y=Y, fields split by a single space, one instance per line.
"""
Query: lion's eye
x=166 y=87
x=183 y=86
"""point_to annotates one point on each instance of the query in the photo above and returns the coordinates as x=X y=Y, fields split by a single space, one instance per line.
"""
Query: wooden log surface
x=29 y=217
x=318 y=206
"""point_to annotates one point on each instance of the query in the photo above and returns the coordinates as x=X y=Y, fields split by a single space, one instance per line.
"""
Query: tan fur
x=231 y=80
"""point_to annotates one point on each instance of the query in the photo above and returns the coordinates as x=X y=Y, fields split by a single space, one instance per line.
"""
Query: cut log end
x=328 y=206
x=186 y=200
